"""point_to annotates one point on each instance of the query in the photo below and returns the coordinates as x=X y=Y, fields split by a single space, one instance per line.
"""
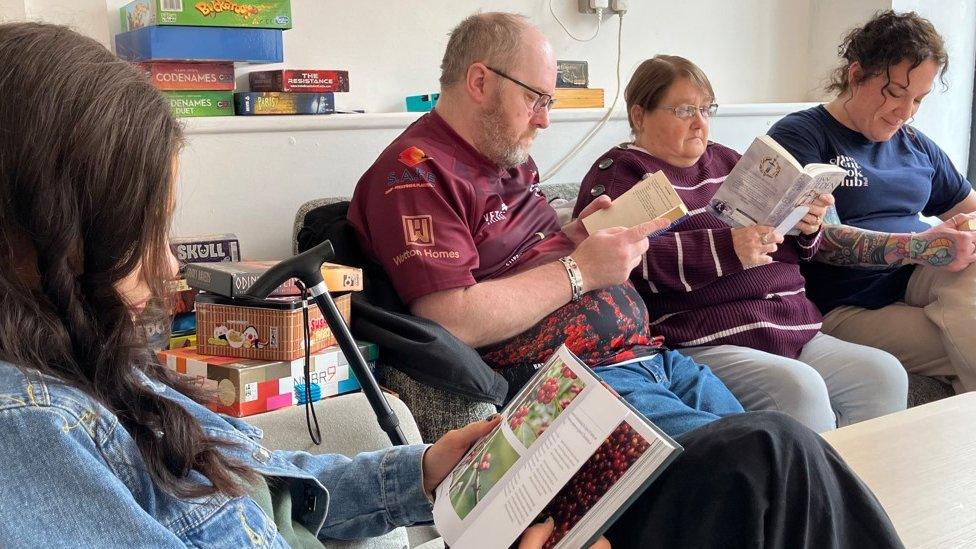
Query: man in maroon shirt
x=453 y=212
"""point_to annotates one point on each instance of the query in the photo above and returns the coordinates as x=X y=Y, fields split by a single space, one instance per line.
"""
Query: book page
x=547 y=433
x=652 y=198
x=608 y=482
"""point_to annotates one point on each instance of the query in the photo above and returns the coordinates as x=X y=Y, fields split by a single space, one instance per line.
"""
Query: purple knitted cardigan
x=695 y=287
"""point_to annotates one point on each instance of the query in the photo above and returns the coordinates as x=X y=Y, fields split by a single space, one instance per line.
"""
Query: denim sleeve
x=371 y=493
x=57 y=490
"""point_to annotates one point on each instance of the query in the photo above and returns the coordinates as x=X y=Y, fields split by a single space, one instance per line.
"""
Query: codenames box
x=267 y=14
x=170 y=76
x=245 y=387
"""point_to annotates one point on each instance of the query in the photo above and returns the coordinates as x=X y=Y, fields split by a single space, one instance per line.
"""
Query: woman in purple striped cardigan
x=734 y=299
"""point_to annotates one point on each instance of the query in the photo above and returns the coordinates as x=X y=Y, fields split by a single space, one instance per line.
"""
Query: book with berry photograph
x=568 y=447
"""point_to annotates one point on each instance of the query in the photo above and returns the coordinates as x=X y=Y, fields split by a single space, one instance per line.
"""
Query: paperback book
x=769 y=187
x=568 y=447
x=652 y=198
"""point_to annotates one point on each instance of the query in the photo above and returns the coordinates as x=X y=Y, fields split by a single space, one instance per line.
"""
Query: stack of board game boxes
x=189 y=50
x=251 y=353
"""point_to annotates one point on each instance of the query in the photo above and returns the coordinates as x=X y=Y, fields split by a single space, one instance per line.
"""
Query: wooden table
x=921 y=463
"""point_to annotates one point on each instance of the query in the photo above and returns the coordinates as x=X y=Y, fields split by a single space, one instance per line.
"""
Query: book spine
x=265 y=103
x=191 y=76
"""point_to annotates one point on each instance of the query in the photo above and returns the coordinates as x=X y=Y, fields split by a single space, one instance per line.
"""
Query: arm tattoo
x=847 y=246
x=935 y=250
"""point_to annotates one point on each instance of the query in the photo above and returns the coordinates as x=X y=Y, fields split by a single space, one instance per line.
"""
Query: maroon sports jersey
x=437 y=215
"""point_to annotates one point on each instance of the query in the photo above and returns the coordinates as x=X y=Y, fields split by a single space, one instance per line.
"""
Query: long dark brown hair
x=86 y=183
x=888 y=39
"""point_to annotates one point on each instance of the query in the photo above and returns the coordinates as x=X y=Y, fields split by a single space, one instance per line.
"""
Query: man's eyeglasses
x=684 y=112
x=544 y=99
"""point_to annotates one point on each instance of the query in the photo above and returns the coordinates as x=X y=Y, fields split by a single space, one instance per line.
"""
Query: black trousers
x=758 y=479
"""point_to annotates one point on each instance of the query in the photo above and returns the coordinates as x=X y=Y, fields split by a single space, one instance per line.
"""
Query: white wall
x=945 y=116
x=86 y=16
x=12 y=10
x=830 y=20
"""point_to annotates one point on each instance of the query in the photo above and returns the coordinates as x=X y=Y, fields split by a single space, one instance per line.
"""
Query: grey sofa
x=348 y=427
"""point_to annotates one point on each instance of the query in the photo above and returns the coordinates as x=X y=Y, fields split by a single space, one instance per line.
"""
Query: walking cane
x=306 y=267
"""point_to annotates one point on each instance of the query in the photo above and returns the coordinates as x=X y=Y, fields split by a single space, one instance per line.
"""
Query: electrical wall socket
x=588 y=6
x=612 y=6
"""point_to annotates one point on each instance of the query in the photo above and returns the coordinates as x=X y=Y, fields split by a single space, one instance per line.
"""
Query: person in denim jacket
x=103 y=447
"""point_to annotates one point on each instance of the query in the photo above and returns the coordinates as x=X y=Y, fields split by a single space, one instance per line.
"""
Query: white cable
x=586 y=138
x=599 y=21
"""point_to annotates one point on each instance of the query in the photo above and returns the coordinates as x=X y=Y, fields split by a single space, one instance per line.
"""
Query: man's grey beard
x=499 y=142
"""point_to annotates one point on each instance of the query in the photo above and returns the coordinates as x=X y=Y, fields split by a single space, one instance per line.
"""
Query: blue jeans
x=676 y=393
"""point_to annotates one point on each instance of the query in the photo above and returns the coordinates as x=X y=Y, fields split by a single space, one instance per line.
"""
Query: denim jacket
x=72 y=476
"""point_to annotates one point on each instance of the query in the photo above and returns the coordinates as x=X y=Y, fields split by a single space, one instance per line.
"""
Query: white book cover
x=769 y=187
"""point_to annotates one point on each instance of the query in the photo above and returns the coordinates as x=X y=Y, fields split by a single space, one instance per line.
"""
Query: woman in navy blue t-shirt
x=882 y=276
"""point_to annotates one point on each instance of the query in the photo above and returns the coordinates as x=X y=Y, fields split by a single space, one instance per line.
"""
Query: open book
x=769 y=187
x=568 y=447
x=651 y=198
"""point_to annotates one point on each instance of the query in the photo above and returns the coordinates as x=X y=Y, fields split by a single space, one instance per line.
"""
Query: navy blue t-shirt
x=887 y=185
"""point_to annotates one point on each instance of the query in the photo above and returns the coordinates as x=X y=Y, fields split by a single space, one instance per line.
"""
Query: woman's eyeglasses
x=684 y=112
x=544 y=99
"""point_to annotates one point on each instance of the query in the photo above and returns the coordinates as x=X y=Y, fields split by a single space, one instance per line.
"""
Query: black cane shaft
x=388 y=420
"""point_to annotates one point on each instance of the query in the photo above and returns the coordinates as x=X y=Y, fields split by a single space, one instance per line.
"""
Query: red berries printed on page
x=604 y=468
x=547 y=391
